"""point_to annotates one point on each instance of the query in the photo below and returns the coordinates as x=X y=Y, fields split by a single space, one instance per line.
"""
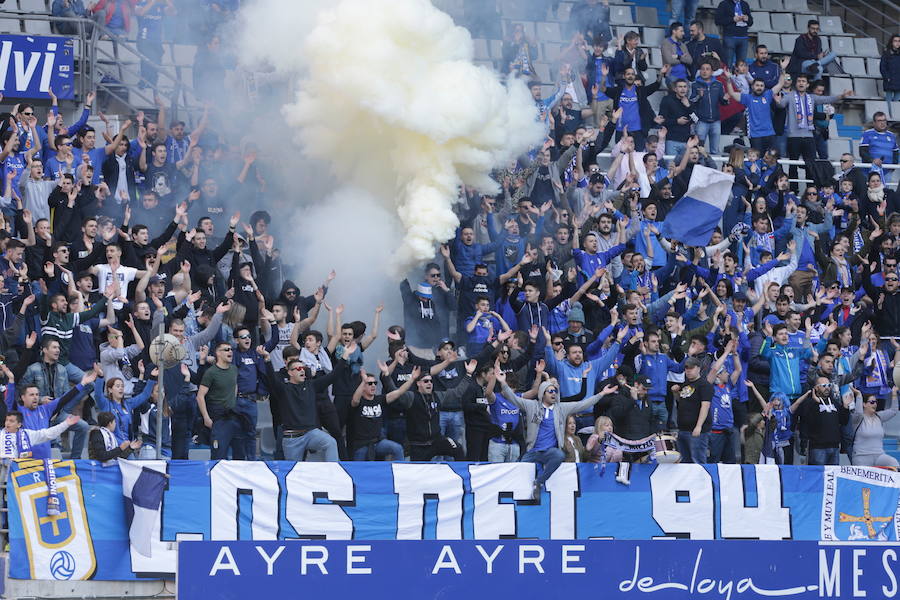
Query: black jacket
x=629 y=421
x=725 y=19
x=890 y=70
x=296 y=403
x=671 y=108
x=97 y=448
x=110 y=171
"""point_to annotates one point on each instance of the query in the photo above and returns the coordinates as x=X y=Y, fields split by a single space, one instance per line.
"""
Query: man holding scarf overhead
x=800 y=128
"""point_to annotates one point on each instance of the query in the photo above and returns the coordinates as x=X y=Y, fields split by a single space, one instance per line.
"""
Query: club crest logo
x=861 y=504
x=58 y=546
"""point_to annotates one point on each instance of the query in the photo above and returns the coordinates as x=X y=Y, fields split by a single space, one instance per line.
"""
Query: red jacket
x=733 y=107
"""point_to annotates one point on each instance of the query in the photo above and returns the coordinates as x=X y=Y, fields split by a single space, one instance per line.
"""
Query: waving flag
x=694 y=217
x=143 y=490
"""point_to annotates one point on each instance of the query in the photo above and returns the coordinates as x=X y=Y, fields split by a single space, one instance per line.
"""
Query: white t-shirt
x=125 y=276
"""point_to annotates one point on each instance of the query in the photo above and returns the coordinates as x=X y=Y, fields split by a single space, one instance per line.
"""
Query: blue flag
x=696 y=215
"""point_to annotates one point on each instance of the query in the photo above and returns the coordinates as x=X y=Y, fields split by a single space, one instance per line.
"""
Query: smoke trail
x=390 y=100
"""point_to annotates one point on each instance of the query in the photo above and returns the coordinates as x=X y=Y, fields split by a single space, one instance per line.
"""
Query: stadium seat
x=841 y=45
x=894 y=111
x=620 y=30
x=874 y=106
x=647 y=16
x=796 y=6
x=839 y=84
x=655 y=58
x=771 y=40
x=762 y=21
x=770 y=5
x=514 y=9
x=482 y=51
x=874 y=67
x=10 y=26
x=830 y=25
x=651 y=75
x=620 y=15
x=551 y=51
x=526 y=25
x=864 y=87
x=754 y=6
x=866 y=47
x=549 y=32
x=787 y=42
x=836 y=147
x=33 y=6
x=653 y=37
x=562 y=13
x=855 y=66
x=783 y=23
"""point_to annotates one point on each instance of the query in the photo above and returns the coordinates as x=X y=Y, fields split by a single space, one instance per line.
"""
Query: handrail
x=848 y=9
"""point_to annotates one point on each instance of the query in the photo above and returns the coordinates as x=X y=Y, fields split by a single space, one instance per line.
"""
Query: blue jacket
x=588 y=263
x=785 y=366
x=769 y=72
x=707 y=105
x=570 y=376
x=890 y=70
x=466 y=257
x=122 y=412
x=657 y=367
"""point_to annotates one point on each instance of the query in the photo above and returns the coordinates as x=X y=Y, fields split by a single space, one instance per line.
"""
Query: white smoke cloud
x=390 y=100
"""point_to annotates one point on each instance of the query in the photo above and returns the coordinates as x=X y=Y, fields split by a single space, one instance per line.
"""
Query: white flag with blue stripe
x=696 y=215
x=143 y=489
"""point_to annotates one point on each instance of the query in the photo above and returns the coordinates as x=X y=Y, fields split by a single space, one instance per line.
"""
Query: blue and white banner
x=30 y=65
x=269 y=501
x=539 y=569
x=696 y=214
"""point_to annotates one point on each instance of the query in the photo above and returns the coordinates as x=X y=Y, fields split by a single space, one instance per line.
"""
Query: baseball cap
x=443 y=342
x=691 y=361
x=740 y=296
x=643 y=380
x=156 y=279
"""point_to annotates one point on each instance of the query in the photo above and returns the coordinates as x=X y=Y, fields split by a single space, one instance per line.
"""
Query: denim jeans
x=453 y=425
x=683 y=11
x=721 y=446
x=382 y=449
x=499 y=452
x=824 y=456
x=693 y=449
x=822 y=62
x=711 y=130
x=227 y=433
x=660 y=413
x=675 y=147
x=821 y=146
x=315 y=439
x=80 y=431
x=184 y=409
x=247 y=407
x=74 y=373
x=780 y=144
x=892 y=96
x=735 y=49
x=550 y=458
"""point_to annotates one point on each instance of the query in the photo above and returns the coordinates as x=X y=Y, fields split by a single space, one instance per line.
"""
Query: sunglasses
x=426 y=380
x=370 y=383
x=551 y=390
x=300 y=369
x=243 y=337
x=290 y=293
x=65 y=144
x=28 y=114
x=891 y=279
x=870 y=401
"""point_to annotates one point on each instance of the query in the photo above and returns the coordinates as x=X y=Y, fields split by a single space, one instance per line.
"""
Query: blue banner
x=267 y=501
x=30 y=65
x=537 y=569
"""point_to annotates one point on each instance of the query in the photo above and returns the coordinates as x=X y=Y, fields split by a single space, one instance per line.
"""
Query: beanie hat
x=575 y=313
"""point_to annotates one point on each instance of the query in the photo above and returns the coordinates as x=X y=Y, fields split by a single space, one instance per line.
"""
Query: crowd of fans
x=558 y=324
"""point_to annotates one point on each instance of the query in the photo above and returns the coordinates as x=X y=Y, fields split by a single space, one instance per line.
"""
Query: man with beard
x=637 y=115
x=759 y=111
x=808 y=57
x=801 y=106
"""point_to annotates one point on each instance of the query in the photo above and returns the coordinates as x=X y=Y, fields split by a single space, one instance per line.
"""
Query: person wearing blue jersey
x=759 y=110
x=879 y=146
x=722 y=433
x=675 y=53
x=587 y=261
x=637 y=115
x=767 y=70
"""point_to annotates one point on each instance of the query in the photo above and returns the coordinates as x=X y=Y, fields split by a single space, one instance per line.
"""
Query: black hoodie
x=304 y=303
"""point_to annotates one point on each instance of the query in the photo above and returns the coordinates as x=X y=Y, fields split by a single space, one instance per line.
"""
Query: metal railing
x=123 y=58
x=865 y=17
